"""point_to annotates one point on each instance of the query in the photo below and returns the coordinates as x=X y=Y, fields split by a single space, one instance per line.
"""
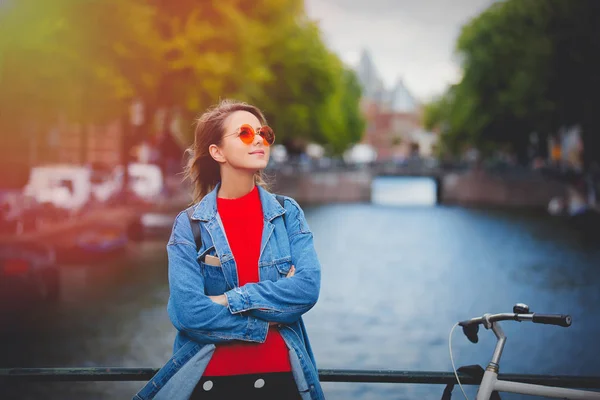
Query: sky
x=412 y=40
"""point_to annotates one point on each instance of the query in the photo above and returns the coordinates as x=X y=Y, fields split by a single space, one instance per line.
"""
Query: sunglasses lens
x=246 y=134
x=268 y=135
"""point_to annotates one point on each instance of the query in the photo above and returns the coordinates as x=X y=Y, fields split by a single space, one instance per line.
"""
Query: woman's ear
x=216 y=153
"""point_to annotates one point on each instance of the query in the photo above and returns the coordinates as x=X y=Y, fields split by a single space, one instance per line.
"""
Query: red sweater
x=243 y=222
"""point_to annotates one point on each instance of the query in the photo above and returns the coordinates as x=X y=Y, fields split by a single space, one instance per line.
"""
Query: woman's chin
x=255 y=166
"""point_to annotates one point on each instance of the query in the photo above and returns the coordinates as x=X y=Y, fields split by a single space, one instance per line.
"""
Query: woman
x=236 y=298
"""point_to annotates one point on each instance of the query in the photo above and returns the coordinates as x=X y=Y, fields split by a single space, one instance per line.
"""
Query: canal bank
x=466 y=189
x=98 y=233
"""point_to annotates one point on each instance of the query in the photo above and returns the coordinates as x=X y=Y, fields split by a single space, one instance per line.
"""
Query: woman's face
x=236 y=153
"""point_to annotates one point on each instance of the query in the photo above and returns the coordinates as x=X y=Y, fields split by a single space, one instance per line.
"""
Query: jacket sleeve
x=285 y=300
x=190 y=310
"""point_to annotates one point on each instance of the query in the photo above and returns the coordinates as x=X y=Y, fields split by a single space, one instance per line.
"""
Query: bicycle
x=490 y=382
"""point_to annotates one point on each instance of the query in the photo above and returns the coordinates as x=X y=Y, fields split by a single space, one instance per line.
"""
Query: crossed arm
x=222 y=298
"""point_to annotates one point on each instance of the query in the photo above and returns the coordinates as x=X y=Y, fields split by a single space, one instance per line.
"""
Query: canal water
x=395 y=279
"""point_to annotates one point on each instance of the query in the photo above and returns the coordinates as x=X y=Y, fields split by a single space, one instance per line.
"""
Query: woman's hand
x=291 y=272
x=221 y=299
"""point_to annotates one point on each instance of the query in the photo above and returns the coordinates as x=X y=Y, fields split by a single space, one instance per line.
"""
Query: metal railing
x=325 y=375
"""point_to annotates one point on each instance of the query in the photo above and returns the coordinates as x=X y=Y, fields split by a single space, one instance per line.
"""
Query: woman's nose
x=258 y=140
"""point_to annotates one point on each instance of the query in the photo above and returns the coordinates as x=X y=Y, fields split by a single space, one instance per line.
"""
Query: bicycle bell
x=521 y=308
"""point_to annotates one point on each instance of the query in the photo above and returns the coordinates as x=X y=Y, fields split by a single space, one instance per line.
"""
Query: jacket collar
x=206 y=209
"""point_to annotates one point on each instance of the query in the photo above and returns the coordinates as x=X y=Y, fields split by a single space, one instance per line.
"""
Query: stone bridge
x=500 y=188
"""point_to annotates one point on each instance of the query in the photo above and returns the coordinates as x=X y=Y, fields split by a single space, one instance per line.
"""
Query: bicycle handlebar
x=552 y=319
x=471 y=326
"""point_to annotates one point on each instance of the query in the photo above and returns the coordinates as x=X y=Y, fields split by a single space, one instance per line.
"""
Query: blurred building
x=68 y=143
x=102 y=145
x=394 y=128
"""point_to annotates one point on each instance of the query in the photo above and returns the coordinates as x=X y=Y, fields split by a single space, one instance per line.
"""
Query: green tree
x=528 y=66
x=87 y=60
x=505 y=54
x=58 y=62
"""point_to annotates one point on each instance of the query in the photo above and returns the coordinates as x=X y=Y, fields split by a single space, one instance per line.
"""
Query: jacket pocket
x=214 y=280
x=208 y=251
x=213 y=276
x=275 y=271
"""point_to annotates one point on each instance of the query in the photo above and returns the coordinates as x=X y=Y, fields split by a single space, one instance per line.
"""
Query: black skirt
x=268 y=386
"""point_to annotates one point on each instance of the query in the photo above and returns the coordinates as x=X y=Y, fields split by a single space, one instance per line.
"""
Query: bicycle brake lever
x=470 y=332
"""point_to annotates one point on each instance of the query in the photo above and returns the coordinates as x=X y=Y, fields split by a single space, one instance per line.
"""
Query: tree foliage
x=527 y=66
x=87 y=60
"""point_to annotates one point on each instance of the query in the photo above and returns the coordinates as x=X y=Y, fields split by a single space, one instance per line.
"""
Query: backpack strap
x=195 y=227
x=281 y=200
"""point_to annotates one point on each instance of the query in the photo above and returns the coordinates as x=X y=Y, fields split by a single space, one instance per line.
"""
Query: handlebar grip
x=552 y=319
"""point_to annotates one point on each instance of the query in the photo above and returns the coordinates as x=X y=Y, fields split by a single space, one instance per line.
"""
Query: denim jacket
x=201 y=324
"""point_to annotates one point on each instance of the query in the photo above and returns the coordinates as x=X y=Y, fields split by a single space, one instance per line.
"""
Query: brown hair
x=202 y=170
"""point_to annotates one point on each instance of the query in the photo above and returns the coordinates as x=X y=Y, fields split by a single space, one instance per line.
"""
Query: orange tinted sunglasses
x=247 y=134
